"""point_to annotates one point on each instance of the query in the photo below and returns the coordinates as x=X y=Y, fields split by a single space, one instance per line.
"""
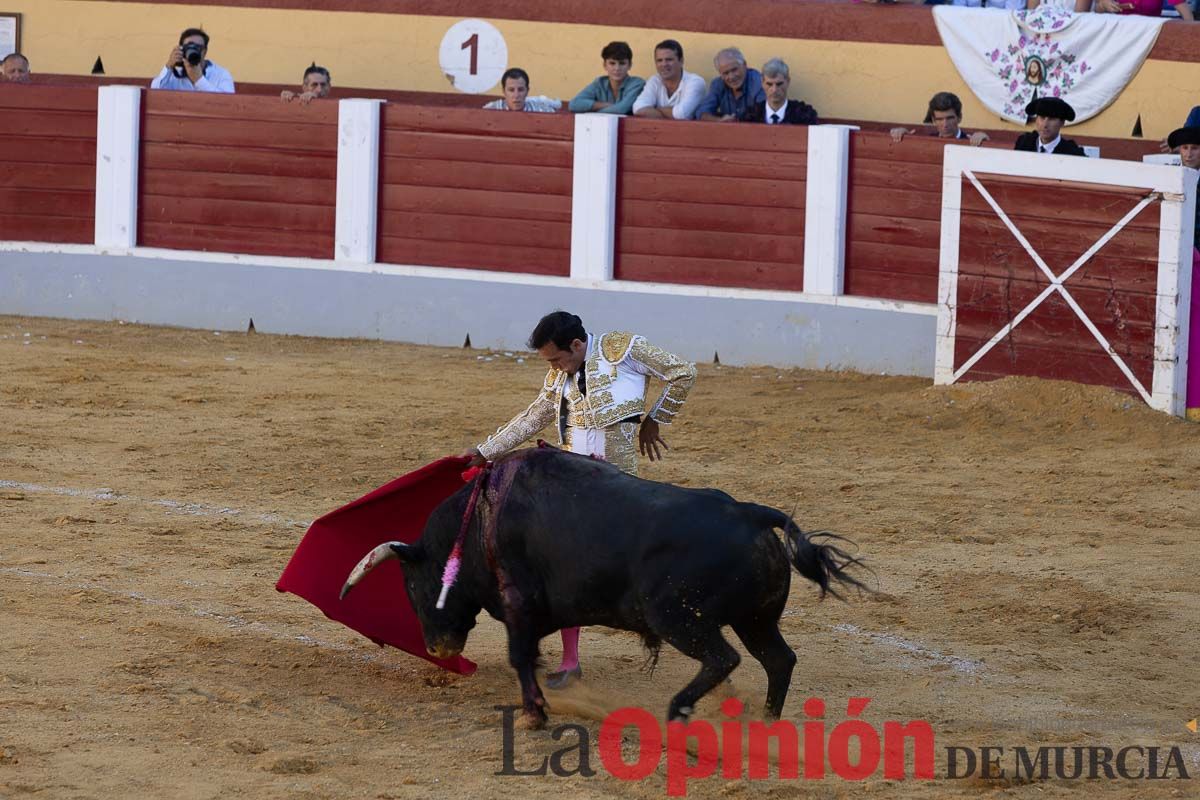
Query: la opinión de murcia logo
x=852 y=750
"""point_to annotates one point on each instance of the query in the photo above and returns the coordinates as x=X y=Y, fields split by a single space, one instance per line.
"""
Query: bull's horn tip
x=345 y=590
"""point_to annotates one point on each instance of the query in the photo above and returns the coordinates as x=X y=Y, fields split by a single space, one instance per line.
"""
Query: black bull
x=560 y=540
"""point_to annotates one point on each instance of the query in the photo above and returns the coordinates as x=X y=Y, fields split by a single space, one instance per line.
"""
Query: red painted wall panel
x=711 y=204
x=476 y=189
x=239 y=174
x=894 y=211
x=47 y=164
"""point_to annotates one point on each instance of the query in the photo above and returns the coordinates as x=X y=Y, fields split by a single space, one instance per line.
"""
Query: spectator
x=1143 y=8
x=189 y=70
x=1049 y=115
x=1187 y=140
x=315 y=84
x=945 y=113
x=615 y=91
x=14 y=68
x=1010 y=5
x=734 y=91
x=674 y=93
x=777 y=109
x=515 y=82
x=1079 y=6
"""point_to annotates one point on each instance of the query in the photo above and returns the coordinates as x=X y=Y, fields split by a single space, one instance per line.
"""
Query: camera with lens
x=193 y=53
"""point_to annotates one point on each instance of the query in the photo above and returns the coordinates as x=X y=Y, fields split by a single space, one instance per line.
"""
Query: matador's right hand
x=477 y=459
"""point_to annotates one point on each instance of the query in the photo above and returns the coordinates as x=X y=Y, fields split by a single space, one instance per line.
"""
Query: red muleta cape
x=378 y=608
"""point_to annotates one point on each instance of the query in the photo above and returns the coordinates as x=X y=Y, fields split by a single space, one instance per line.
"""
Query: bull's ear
x=408 y=553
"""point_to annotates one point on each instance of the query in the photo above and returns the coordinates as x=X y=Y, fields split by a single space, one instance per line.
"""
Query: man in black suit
x=777 y=109
x=1187 y=141
x=1049 y=114
x=944 y=113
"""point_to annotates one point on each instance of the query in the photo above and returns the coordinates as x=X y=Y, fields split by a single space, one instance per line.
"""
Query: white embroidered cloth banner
x=1005 y=56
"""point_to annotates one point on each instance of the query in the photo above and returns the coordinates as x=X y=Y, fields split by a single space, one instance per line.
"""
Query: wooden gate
x=1068 y=268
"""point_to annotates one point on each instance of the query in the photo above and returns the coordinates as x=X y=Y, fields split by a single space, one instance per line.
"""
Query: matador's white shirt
x=617 y=369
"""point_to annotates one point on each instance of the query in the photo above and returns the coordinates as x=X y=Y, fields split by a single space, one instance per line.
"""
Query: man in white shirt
x=673 y=93
x=189 y=70
x=515 y=83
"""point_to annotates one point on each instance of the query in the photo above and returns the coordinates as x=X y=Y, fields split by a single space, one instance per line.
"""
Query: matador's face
x=569 y=360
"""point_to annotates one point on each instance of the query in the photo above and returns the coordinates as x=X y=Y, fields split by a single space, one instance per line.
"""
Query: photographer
x=188 y=70
x=316 y=84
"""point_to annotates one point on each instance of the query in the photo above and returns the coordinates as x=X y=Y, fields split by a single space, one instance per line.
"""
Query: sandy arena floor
x=1035 y=544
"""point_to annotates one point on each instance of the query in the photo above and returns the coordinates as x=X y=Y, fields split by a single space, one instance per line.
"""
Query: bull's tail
x=815 y=555
x=369 y=562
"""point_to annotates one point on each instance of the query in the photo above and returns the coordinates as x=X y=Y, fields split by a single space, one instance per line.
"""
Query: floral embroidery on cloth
x=1009 y=57
x=1036 y=64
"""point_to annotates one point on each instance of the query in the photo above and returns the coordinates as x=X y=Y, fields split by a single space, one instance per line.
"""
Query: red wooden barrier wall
x=237 y=174
x=47 y=164
x=711 y=203
x=894 y=211
x=476 y=189
x=1115 y=288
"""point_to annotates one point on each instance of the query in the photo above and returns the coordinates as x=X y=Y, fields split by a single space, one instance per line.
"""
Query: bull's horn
x=369 y=562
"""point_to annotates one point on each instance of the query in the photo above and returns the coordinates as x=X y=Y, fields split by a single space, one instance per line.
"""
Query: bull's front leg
x=523 y=656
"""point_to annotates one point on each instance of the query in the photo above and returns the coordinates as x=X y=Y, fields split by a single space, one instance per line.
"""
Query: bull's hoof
x=563 y=678
x=532 y=720
x=682 y=714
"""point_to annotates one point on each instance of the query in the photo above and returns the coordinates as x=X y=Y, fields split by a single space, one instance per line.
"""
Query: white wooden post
x=357 y=180
x=594 y=197
x=947 y=318
x=1177 y=216
x=825 y=209
x=118 y=134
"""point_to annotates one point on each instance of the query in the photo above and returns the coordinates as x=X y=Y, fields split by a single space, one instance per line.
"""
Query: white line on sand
x=231 y=621
x=193 y=509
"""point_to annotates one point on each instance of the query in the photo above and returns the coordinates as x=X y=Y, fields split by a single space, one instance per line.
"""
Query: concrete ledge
x=432 y=306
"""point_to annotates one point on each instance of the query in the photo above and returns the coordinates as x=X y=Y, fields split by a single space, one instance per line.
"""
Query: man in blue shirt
x=734 y=91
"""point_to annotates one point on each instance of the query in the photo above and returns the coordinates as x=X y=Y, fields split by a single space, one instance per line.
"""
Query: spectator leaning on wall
x=674 y=93
x=515 y=82
x=734 y=91
x=14 y=68
x=945 y=114
x=615 y=91
x=315 y=84
x=189 y=70
x=777 y=109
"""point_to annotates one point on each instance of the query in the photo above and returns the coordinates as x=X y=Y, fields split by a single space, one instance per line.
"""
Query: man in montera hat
x=596 y=391
x=1187 y=141
x=1049 y=114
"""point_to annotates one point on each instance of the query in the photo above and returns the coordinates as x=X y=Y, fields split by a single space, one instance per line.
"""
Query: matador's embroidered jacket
x=602 y=422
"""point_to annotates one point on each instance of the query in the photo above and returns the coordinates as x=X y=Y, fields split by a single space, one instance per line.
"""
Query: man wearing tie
x=1049 y=114
x=777 y=109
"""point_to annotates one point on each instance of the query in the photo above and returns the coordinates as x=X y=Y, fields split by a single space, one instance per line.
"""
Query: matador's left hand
x=649 y=440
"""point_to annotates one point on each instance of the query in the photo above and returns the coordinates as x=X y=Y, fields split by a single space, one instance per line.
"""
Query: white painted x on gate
x=1174 y=187
x=1056 y=285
